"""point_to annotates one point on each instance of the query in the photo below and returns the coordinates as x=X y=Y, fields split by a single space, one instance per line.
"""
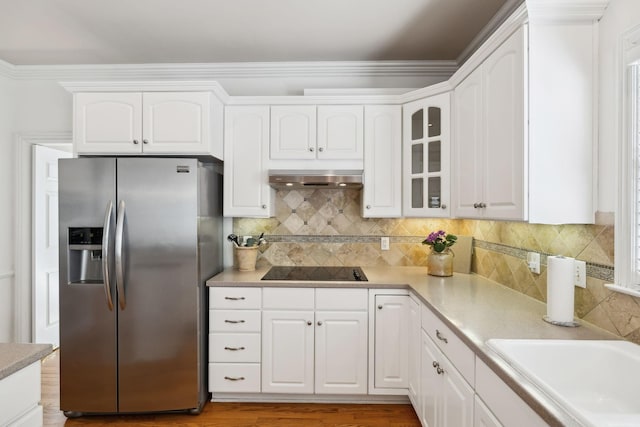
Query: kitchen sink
x=598 y=382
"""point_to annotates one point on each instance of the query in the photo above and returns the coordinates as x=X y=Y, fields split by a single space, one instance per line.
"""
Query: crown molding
x=504 y=13
x=566 y=10
x=214 y=71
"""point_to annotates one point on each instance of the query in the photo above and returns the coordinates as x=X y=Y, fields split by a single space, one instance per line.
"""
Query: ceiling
x=63 y=32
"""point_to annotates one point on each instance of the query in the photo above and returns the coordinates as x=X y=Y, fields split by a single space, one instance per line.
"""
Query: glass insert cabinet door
x=426 y=153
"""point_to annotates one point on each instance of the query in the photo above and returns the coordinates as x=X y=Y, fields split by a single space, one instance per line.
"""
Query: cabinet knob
x=483 y=205
x=368 y=206
x=439 y=370
x=264 y=206
x=145 y=141
x=443 y=206
x=319 y=323
x=311 y=149
x=135 y=141
x=321 y=149
x=380 y=307
x=309 y=322
x=479 y=205
x=476 y=205
x=435 y=364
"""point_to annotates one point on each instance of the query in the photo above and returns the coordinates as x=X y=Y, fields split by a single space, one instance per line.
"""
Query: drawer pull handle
x=234 y=321
x=440 y=337
x=234 y=348
x=234 y=378
x=235 y=298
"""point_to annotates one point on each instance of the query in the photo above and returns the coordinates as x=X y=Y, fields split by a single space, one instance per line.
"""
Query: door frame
x=23 y=279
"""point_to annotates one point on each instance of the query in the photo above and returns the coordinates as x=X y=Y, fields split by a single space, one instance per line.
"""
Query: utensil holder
x=246 y=257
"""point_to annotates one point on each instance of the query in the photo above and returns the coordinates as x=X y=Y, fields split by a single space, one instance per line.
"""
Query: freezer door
x=88 y=370
x=158 y=293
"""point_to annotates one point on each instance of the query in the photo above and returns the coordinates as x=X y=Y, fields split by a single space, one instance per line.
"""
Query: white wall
x=6 y=213
x=620 y=16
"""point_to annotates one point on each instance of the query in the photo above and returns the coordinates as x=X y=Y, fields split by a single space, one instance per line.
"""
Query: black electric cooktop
x=316 y=274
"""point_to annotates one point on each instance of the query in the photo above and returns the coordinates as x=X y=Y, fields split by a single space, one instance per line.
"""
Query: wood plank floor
x=233 y=414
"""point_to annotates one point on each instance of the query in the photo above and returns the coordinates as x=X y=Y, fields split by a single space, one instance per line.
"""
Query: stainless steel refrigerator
x=138 y=238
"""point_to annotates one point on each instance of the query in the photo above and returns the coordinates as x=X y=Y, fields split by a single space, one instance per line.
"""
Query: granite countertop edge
x=15 y=356
x=473 y=307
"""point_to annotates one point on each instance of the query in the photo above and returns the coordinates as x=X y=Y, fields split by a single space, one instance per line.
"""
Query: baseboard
x=309 y=398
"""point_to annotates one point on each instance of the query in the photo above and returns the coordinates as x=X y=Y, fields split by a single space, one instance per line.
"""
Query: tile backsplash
x=325 y=227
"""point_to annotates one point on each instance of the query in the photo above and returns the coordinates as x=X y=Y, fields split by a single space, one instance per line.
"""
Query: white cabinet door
x=482 y=416
x=467 y=164
x=457 y=397
x=490 y=143
x=382 y=191
x=430 y=382
x=246 y=146
x=426 y=152
x=391 y=342
x=414 y=354
x=340 y=132
x=504 y=131
x=287 y=351
x=106 y=123
x=176 y=122
x=341 y=352
x=293 y=132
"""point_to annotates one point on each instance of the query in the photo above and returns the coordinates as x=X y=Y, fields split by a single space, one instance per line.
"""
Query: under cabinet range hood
x=330 y=179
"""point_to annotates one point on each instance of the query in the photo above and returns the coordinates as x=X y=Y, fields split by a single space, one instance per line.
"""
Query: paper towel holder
x=573 y=324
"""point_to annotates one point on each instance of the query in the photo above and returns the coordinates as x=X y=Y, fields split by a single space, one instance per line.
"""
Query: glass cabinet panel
x=435 y=191
x=435 y=121
x=417 y=193
x=417 y=125
x=417 y=158
x=435 y=162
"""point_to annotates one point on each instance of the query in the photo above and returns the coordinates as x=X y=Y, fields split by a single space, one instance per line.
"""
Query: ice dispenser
x=85 y=255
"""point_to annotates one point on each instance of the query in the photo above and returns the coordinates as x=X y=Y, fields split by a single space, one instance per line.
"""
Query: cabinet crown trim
x=565 y=10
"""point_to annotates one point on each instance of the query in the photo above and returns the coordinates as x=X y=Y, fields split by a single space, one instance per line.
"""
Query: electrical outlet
x=533 y=262
x=580 y=279
x=384 y=243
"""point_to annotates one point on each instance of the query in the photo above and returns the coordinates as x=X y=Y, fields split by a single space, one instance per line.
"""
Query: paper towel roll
x=560 y=288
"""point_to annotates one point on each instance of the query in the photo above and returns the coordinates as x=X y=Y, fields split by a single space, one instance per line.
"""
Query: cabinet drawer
x=225 y=347
x=449 y=343
x=234 y=377
x=232 y=297
x=288 y=298
x=234 y=321
x=341 y=299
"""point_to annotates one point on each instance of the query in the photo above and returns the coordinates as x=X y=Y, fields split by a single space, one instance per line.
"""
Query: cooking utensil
x=233 y=238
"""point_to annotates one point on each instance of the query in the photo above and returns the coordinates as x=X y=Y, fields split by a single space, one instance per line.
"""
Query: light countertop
x=475 y=308
x=15 y=356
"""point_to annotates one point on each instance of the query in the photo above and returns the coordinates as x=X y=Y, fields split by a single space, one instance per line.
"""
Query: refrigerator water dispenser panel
x=85 y=255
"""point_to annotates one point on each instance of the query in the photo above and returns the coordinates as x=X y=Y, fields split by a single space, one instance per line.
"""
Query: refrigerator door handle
x=118 y=251
x=106 y=250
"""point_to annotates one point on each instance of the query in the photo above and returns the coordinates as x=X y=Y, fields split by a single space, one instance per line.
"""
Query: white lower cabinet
x=482 y=416
x=320 y=350
x=447 y=399
x=389 y=340
x=20 y=397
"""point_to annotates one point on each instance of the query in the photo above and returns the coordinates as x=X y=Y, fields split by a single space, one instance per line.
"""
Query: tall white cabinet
x=490 y=133
x=246 y=152
x=382 y=184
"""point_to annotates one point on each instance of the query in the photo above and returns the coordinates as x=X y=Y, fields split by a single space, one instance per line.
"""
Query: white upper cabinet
x=426 y=153
x=147 y=123
x=382 y=190
x=489 y=160
x=107 y=123
x=293 y=132
x=340 y=132
x=246 y=188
